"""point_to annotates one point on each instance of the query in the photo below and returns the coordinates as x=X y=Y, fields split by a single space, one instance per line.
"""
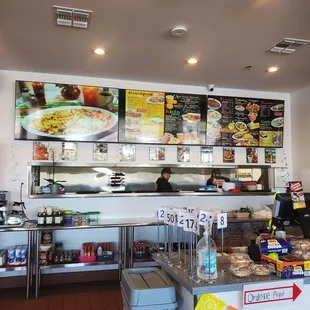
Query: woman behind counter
x=216 y=178
x=162 y=183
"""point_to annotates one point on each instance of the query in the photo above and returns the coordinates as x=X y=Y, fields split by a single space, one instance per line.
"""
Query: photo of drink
x=251 y=155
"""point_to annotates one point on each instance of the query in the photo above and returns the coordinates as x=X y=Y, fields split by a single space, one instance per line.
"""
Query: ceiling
x=226 y=35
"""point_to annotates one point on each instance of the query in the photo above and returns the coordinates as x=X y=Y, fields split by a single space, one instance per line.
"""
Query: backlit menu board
x=236 y=121
x=65 y=112
x=163 y=118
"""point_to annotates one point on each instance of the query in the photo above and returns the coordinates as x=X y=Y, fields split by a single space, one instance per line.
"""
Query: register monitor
x=284 y=214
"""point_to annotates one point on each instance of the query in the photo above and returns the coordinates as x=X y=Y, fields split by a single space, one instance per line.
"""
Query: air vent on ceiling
x=72 y=17
x=288 y=46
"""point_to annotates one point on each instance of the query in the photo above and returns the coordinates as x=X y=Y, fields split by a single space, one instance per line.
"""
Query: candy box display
x=274 y=245
x=287 y=267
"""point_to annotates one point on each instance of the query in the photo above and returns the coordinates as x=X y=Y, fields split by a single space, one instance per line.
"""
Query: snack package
x=274 y=245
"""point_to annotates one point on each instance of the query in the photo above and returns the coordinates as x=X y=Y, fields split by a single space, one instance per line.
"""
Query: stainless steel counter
x=113 y=222
x=107 y=223
x=148 y=194
x=225 y=282
x=26 y=227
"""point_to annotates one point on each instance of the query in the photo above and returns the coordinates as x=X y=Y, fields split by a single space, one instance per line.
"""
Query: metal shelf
x=6 y=272
x=80 y=267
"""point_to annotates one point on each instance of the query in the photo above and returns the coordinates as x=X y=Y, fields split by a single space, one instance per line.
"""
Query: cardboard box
x=288 y=270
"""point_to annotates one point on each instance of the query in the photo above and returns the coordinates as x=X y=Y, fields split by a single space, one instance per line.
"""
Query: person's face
x=166 y=176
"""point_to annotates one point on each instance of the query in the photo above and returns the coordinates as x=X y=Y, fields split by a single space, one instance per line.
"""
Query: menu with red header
x=237 y=121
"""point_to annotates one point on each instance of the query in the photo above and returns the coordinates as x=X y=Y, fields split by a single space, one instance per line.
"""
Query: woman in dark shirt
x=162 y=183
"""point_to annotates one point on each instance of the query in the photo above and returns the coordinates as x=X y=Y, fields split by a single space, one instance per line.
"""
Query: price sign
x=204 y=217
x=221 y=220
x=181 y=216
x=190 y=221
x=161 y=214
x=191 y=209
x=171 y=218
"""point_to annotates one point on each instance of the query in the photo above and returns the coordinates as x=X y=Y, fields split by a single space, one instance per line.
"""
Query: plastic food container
x=93 y=217
x=241 y=272
x=304 y=255
x=67 y=217
x=300 y=244
x=260 y=269
x=80 y=219
x=239 y=258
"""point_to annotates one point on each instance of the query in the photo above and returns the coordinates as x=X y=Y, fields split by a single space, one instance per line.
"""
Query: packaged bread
x=241 y=272
x=260 y=269
x=300 y=244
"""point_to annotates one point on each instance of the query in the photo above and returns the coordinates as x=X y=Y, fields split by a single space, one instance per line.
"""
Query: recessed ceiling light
x=192 y=61
x=99 y=51
x=272 y=69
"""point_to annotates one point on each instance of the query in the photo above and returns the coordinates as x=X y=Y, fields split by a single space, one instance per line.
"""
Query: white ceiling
x=226 y=35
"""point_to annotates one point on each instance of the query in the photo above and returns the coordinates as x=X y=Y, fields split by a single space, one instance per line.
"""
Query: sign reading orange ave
x=272 y=294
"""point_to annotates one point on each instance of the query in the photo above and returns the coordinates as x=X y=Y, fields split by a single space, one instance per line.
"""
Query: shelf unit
x=80 y=267
x=16 y=271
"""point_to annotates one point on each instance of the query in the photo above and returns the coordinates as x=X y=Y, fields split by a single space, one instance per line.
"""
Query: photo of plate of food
x=277 y=122
x=228 y=155
x=191 y=117
x=155 y=99
x=277 y=108
x=156 y=121
x=133 y=130
x=240 y=136
x=214 y=115
x=69 y=122
x=214 y=104
x=253 y=107
x=241 y=126
x=131 y=113
x=214 y=133
x=239 y=108
x=213 y=125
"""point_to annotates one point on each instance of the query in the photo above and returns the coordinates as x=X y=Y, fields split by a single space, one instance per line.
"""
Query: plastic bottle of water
x=206 y=264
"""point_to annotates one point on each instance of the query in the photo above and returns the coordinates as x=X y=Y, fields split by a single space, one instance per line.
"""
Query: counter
x=150 y=194
x=227 y=287
x=123 y=256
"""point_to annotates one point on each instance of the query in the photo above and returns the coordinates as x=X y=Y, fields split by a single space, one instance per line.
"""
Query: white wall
x=14 y=155
x=300 y=111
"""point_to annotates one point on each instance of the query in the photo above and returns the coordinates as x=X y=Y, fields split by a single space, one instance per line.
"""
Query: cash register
x=284 y=215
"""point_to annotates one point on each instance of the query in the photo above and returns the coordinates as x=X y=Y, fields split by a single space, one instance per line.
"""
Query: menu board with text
x=164 y=118
x=236 y=121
